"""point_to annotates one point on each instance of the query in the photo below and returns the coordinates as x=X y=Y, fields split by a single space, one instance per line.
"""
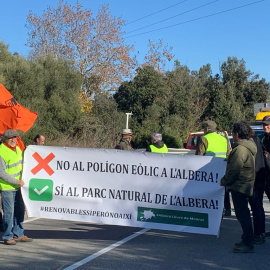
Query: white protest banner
x=128 y=188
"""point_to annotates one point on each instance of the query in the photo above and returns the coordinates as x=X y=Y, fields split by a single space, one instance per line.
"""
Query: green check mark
x=40 y=189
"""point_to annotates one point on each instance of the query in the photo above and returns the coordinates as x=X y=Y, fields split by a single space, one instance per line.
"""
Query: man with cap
x=10 y=188
x=125 y=141
x=214 y=144
x=157 y=145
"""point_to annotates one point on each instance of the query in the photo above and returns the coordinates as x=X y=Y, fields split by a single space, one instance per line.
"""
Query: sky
x=200 y=31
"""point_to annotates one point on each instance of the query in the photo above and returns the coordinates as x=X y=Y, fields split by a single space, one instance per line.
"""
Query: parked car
x=193 y=140
x=257 y=128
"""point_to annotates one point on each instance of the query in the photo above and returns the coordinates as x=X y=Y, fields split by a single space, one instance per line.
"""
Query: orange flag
x=12 y=114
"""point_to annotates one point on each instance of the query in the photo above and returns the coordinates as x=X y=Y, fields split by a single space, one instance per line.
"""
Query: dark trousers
x=1 y=222
x=240 y=202
x=227 y=203
x=256 y=204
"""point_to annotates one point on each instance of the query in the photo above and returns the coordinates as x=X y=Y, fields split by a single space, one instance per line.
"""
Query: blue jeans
x=13 y=209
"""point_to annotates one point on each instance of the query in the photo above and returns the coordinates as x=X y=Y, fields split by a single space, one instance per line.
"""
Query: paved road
x=61 y=244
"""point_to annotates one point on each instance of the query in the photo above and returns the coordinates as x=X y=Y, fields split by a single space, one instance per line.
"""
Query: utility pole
x=128 y=115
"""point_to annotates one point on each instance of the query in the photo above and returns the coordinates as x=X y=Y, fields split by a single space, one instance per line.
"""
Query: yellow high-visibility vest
x=13 y=161
x=163 y=149
x=217 y=145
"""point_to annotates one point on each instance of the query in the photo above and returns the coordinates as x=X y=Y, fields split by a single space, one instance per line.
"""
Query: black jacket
x=260 y=166
x=266 y=147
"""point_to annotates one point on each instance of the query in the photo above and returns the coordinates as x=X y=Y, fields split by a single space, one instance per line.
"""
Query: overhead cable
x=196 y=19
x=172 y=17
x=156 y=12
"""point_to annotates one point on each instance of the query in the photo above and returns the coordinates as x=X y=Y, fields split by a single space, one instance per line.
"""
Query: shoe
x=10 y=241
x=267 y=234
x=227 y=213
x=243 y=249
x=239 y=244
x=258 y=240
x=23 y=239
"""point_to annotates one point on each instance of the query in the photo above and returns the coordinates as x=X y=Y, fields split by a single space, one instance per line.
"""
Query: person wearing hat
x=266 y=146
x=125 y=141
x=10 y=188
x=214 y=144
x=157 y=145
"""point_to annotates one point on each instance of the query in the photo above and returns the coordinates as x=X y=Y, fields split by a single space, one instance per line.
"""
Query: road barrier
x=181 y=151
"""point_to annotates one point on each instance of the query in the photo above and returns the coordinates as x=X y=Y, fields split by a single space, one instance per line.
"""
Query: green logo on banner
x=174 y=217
x=40 y=189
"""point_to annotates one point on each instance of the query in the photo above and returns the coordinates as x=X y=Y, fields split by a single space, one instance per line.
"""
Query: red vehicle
x=193 y=140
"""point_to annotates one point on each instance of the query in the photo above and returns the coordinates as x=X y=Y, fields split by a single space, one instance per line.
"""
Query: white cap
x=126 y=131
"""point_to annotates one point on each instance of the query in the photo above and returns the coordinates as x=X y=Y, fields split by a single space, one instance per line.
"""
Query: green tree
x=5 y=55
x=46 y=86
x=233 y=95
x=145 y=89
x=188 y=96
x=101 y=128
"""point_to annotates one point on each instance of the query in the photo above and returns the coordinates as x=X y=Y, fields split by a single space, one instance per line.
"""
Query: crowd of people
x=247 y=177
x=157 y=145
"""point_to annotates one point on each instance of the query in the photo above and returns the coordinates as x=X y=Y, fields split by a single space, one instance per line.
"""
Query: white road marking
x=29 y=220
x=105 y=250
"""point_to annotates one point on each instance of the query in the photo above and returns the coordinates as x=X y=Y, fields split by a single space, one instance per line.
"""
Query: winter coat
x=124 y=145
x=240 y=171
x=266 y=142
x=266 y=147
x=260 y=166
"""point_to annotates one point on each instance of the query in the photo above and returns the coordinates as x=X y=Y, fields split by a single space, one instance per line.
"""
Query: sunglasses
x=265 y=124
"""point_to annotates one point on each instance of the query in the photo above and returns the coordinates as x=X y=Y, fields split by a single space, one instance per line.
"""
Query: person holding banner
x=10 y=184
x=125 y=141
x=157 y=145
x=214 y=144
x=239 y=179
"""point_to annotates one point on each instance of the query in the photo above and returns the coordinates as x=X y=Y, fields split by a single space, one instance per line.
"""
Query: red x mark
x=43 y=163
